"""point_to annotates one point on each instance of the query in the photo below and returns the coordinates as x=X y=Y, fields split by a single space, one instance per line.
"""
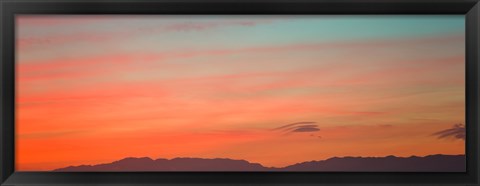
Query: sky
x=274 y=90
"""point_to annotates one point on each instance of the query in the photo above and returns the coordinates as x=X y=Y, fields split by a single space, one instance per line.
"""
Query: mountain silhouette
x=431 y=163
x=176 y=164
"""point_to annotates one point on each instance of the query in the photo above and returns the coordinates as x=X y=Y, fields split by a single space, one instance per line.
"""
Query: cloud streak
x=456 y=132
x=299 y=127
x=305 y=129
x=52 y=134
x=25 y=42
x=294 y=124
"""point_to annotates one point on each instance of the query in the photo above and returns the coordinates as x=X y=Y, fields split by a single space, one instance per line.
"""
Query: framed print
x=239 y=92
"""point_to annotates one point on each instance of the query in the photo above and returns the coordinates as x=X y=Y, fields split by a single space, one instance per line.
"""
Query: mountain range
x=431 y=163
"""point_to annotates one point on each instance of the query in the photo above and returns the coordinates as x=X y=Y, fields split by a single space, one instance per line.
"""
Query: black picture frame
x=10 y=8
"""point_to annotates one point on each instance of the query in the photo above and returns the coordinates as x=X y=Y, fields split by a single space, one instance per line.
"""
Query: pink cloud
x=311 y=46
x=60 y=39
x=63 y=20
x=400 y=73
x=69 y=69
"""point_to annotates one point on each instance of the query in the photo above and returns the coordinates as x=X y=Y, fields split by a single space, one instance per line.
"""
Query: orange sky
x=97 y=89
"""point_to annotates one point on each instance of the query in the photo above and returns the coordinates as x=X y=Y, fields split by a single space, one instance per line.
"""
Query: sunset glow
x=95 y=89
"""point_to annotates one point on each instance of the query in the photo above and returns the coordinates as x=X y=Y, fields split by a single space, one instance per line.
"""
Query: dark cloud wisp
x=294 y=124
x=305 y=129
x=299 y=127
x=456 y=132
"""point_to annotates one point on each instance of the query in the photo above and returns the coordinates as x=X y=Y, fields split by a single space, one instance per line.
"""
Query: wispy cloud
x=91 y=36
x=305 y=129
x=306 y=126
x=456 y=132
x=294 y=124
x=51 y=134
x=59 y=21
